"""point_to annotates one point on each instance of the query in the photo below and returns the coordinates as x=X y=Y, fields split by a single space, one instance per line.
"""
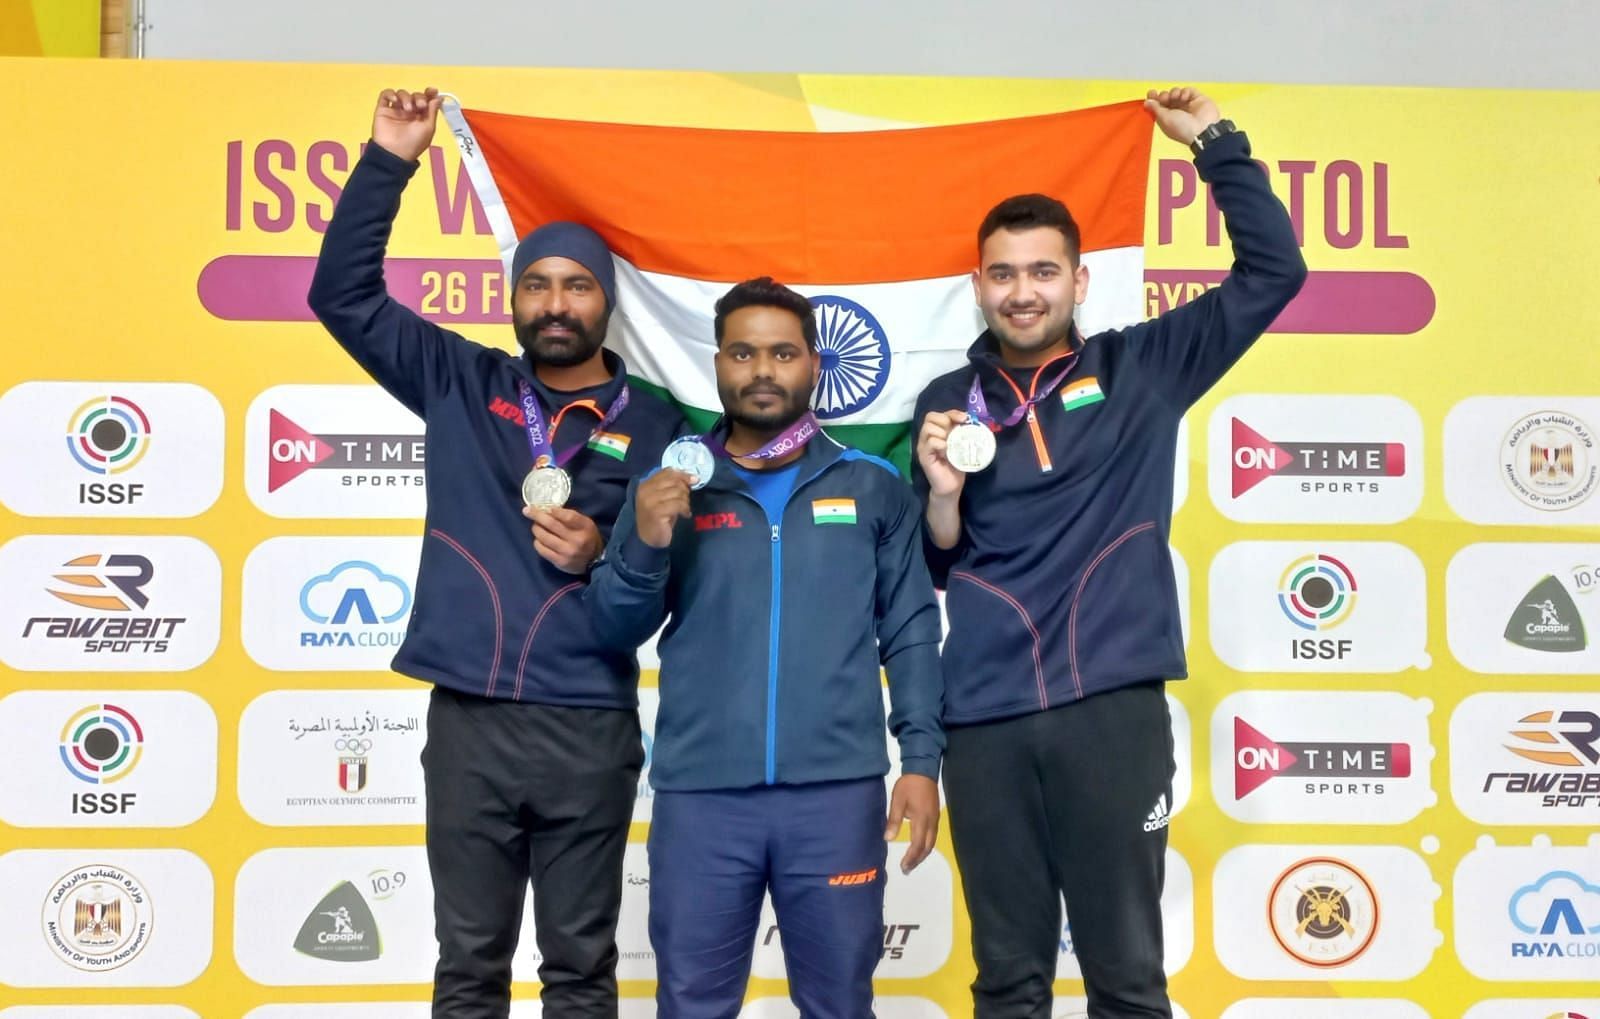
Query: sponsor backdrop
x=1389 y=753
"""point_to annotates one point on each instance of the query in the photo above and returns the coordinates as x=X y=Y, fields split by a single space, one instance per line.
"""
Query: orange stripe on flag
x=830 y=208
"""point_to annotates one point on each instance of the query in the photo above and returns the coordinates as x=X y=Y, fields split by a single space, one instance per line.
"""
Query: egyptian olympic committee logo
x=855 y=357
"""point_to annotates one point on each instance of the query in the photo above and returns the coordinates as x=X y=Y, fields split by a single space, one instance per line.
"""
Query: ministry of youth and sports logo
x=855 y=357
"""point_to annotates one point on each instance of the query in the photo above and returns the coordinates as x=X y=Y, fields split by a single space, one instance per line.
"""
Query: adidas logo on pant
x=1158 y=818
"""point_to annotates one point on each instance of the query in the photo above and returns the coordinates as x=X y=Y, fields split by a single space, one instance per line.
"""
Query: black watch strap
x=1210 y=134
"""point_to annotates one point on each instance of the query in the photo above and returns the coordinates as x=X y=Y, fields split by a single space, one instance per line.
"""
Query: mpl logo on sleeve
x=1177 y=923
x=110 y=449
x=107 y=918
x=333 y=757
x=1324 y=913
x=1321 y=757
x=350 y=915
x=328 y=604
x=108 y=603
x=1295 y=458
x=128 y=759
x=334 y=451
x=917 y=912
x=1523 y=459
x=1527 y=758
x=1529 y=912
x=1525 y=608
x=1351 y=606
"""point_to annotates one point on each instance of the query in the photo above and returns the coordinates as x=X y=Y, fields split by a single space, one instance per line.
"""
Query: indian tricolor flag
x=611 y=444
x=833 y=511
x=877 y=228
x=1081 y=393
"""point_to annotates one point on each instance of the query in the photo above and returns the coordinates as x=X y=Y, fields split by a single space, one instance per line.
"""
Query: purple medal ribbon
x=541 y=440
x=793 y=438
x=978 y=407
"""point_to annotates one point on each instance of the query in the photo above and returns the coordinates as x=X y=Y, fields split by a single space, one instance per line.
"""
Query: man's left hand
x=1182 y=112
x=565 y=538
x=915 y=799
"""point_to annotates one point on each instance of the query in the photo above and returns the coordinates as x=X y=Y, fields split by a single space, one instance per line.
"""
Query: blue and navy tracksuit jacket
x=489 y=616
x=1061 y=585
x=776 y=629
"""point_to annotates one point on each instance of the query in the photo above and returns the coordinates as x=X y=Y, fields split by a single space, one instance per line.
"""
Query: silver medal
x=969 y=447
x=546 y=487
x=692 y=457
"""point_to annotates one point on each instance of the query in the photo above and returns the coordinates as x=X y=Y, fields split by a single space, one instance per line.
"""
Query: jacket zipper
x=1039 y=448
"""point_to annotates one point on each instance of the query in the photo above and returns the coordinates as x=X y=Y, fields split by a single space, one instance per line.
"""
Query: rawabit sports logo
x=97 y=918
x=106 y=584
x=101 y=744
x=1324 y=467
x=369 y=460
x=1568 y=741
x=1546 y=619
x=1323 y=912
x=355 y=604
x=340 y=928
x=1330 y=768
x=1559 y=918
x=1548 y=460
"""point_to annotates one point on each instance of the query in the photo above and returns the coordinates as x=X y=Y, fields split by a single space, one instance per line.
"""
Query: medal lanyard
x=541 y=440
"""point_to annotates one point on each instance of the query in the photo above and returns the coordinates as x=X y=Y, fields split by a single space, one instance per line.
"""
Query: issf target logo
x=108 y=435
x=1317 y=592
x=101 y=744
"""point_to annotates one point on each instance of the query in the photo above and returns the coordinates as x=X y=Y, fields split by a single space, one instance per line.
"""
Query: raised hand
x=404 y=121
x=1182 y=113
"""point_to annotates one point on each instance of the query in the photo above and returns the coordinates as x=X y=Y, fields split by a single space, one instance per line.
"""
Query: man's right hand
x=404 y=121
x=944 y=481
x=660 y=501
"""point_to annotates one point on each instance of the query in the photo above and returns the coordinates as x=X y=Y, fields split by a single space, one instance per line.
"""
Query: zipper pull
x=1031 y=418
x=774 y=532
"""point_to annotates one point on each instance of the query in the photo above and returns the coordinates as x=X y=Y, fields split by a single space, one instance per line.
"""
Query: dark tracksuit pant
x=1072 y=801
x=519 y=792
x=817 y=848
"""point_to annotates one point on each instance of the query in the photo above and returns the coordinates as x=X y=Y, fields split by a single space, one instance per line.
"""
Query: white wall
x=1473 y=43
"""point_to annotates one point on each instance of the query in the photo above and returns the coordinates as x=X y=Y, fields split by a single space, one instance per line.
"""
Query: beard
x=790 y=407
x=560 y=351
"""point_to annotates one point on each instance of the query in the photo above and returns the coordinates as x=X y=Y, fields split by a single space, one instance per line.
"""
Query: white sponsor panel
x=1328 y=606
x=107 y=759
x=108 y=603
x=1527 y=758
x=328 y=604
x=918 y=910
x=1298 y=458
x=1322 y=757
x=110 y=449
x=347 y=915
x=104 y=918
x=1535 y=1008
x=1525 y=608
x=636 y=959
x=1324 y=1008
x=334 y=451
x=1324 y=913
x=649 y=704
x=334 y=757
x=1529 y=913
x=1523 y=460
x=882 y=1008
x=1177 y=923
x=97 y=1012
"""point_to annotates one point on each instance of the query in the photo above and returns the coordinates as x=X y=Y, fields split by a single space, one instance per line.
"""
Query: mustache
x=763 y=389
x=544 y=322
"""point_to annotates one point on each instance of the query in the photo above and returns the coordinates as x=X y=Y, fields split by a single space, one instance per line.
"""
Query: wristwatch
x=1211 y=133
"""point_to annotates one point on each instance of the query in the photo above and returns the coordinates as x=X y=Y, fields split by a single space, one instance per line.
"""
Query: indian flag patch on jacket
x=1082 y=393
x=611 y=444
x=833 y=511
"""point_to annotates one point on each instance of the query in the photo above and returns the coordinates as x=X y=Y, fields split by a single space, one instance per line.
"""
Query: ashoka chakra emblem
x=855 y=356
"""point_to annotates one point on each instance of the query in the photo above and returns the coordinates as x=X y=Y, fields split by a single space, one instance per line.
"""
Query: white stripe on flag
x=663 y=330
